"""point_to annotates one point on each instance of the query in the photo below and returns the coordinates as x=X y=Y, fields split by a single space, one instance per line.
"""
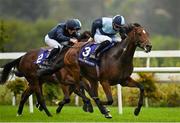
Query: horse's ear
x=136 y=24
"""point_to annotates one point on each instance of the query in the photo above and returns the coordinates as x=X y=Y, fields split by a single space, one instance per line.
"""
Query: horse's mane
x=85 y=35
x=131 y=26
x=137 y=25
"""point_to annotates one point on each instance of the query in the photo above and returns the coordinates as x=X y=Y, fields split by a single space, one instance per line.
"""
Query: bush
x=17 y=86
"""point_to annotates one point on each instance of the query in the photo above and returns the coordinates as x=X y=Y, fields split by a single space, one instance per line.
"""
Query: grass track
x=75 y=114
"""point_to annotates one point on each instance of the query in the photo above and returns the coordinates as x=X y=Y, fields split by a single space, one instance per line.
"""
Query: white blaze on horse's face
x=144 y=40
x=144 y=31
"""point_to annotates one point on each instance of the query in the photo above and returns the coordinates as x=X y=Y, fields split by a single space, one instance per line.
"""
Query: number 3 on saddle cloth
x=42 y=58
x=89 y=49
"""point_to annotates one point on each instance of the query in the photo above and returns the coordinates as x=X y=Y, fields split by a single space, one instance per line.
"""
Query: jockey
x=59 y=36
x=104 y=31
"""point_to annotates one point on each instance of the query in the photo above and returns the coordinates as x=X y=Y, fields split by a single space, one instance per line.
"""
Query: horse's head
x=141 y=37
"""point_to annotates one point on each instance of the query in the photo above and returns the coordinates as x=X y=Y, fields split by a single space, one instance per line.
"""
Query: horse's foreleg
x=87 y=107
x=107 y=90
x=24 y=98
x=93 y=92
x=76 y=76
x=84 y=85
x=67 y=92
x=133 y=83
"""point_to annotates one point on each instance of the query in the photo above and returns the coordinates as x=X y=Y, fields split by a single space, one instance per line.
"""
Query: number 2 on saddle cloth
x=42 y=58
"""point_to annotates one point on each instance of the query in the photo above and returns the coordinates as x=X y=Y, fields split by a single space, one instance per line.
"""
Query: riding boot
x=52 y=55
x=50 y=70
x=102 y=45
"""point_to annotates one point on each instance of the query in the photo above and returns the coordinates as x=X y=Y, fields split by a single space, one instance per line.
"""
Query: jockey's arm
x=61 y=37
x=123 y=33
x=96 y=24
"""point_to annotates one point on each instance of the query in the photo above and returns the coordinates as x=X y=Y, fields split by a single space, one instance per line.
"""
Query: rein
x=69 y=46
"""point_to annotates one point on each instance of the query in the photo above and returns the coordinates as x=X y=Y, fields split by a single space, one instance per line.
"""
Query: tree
x=26 y=10
x=162 y=17
x=4 y=37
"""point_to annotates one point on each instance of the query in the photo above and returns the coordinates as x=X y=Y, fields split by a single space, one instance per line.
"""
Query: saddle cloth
x=42 y=56
x=89 y=49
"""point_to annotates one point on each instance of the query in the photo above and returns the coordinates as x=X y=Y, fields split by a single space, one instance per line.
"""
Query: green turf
x=76 y=114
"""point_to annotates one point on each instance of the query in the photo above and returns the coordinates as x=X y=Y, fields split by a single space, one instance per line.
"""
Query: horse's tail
x=7 y=69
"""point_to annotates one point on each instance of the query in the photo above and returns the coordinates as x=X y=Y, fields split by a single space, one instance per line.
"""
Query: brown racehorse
x=28 y=69
x=116 y=66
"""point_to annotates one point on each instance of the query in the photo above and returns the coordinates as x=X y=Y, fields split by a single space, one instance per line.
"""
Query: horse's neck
x=125 y=51
x=128 y=51
x=122 y=56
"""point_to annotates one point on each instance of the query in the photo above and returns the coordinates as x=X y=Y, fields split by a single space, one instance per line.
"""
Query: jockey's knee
x=102 y=38
x=116 y=39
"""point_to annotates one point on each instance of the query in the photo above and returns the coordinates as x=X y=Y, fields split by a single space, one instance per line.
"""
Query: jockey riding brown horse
x=115 y=67
x=27 y=68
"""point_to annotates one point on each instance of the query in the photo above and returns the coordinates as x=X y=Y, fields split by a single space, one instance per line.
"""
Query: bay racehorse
x=115 y=67
x=27 y=68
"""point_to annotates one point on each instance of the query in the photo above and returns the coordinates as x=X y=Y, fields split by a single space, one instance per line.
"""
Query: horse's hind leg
x=67 y=90
x=132 y=83
x=24 y=98
x=37 y=103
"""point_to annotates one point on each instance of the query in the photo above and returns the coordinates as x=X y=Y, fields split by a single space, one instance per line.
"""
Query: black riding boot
x=52 y=54
x=102 y=45
x=50 y=70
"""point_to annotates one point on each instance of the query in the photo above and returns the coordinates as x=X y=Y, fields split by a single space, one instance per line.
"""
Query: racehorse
x=115 y=67
x=27 y=68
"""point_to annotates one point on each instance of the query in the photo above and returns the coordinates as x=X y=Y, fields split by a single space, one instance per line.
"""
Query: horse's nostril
x=148 y=47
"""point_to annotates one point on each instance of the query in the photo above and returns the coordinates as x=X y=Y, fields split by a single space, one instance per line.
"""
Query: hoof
x=57 y=111
x=40 y=108
x=108 y=116
x=85 y=108
x=18 y=115
x=107 y=110
x=49 y=115
x=90 y=109
x=37 y=105
x=136 y=111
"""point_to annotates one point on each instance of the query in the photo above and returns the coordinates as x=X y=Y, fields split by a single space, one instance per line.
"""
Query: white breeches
x=98 y=37
x=52 y=43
